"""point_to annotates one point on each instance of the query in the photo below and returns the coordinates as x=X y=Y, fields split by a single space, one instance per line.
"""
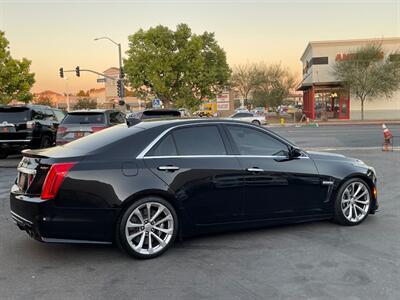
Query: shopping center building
x=324 y=97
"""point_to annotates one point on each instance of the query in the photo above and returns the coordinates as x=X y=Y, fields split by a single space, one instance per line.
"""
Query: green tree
x=15 y=78
x=367 y=74
x=178 y=65
x=85 y=103
x=275 y=84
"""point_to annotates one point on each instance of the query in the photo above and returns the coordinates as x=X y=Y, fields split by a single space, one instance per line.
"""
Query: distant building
x=325 y=97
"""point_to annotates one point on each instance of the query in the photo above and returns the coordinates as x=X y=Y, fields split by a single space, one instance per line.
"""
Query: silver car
x=80 y=123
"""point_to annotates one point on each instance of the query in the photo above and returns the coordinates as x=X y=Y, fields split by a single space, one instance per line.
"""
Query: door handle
x=168 y=168
x=256 y=170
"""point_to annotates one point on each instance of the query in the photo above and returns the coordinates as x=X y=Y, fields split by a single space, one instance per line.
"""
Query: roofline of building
x=354 y=41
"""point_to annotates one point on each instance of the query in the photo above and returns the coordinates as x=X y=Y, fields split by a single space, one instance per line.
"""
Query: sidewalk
x=337 y=123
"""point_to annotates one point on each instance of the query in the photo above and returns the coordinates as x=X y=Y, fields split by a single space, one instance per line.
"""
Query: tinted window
x=165 y=148
x=14 y=114
x=116 y=118
x=251 y=141
x=59 y=115
x=199 y=140
x=48 y=114
x=84 y=118
x=152 y=114
x=242 y=115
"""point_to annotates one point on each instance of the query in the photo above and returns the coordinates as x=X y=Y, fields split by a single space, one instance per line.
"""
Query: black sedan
x=144 y=185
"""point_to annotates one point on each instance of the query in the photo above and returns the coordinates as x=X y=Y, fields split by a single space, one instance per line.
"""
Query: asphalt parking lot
x=319 y=260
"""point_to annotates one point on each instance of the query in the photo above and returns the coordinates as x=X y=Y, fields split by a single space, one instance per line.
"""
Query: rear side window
x=251 y=141
x=116 y=118
x=199 y=140
x=59 y=115
x=165 y=148
x=84 y=118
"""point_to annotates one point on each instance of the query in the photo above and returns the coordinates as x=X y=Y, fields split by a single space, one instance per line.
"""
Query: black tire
x=45 y=142
x=339 y=216
x=256 y=122
x=121 y=236
x=3 y=154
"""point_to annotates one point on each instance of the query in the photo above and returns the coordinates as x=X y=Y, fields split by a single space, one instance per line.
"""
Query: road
x=338 y=136
x=319 y=260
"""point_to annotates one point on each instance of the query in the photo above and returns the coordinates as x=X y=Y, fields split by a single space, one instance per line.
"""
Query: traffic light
x=62 y=72
x=121 y=73
x=120 y=88
x=78 y=71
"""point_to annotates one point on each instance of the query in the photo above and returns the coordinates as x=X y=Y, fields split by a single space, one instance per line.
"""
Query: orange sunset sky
x=61 y=33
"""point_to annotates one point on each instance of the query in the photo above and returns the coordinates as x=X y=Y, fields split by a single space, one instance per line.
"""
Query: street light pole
x=120 y=77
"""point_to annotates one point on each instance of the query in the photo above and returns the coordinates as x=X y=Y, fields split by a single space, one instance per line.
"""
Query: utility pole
x=120 y=83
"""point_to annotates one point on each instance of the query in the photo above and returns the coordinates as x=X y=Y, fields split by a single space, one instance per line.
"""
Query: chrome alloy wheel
x=355 y=201
x=149 y=228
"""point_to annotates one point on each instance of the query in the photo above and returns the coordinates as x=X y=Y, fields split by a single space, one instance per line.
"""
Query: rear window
x=14 y=114
x=152 y=114
x=84 y=118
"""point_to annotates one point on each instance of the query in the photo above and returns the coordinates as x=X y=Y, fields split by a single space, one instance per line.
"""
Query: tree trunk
x=362 y=109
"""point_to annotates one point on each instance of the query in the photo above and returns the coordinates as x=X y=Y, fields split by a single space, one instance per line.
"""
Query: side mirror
x=294 y=152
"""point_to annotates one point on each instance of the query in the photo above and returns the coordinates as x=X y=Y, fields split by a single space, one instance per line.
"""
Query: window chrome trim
x=216 y=156
x=142 y=154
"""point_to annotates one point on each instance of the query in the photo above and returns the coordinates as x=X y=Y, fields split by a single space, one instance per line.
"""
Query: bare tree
x=368 y=74
x=245 y=79
x=275 y=84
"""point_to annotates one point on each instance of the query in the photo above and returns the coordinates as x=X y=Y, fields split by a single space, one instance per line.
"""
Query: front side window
x=251 y=141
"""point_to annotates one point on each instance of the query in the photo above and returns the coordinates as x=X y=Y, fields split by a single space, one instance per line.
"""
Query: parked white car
x=249 y=117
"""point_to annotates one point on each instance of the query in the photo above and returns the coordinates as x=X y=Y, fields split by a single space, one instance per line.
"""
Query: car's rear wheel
x=353 y=202
x=147 y=228
x=256 y=122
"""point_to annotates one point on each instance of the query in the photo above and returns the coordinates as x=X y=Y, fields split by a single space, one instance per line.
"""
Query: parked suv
x=81 y=123
x=27 y=126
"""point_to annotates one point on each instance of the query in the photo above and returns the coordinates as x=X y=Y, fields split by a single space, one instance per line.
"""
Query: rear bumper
x=47 y=223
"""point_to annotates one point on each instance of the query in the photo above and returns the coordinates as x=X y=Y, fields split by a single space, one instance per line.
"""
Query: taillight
x=54 y=178
x=95 y=129
x=61 y=129
x=30 y=124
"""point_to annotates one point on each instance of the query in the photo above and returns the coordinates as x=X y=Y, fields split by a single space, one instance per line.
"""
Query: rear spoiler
x=32 y=153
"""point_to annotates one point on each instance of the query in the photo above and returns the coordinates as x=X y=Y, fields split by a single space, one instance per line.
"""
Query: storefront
x=326 y=102
x=325 y=98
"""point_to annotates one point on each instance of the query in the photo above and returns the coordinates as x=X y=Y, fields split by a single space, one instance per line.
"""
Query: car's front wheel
x=353 y=202
x=147 y=228
x=256 y=122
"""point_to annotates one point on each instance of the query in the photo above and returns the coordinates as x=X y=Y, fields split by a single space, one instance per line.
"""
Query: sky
x=54 y=34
